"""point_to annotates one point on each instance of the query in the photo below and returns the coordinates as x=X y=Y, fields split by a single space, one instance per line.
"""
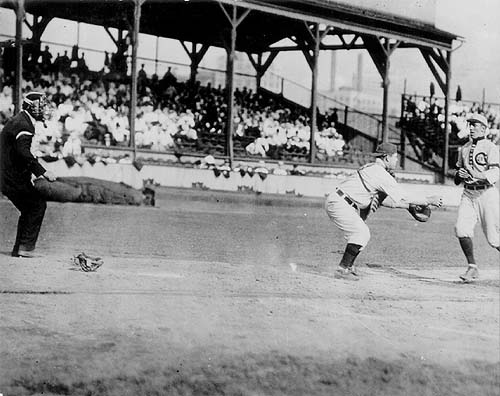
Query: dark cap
x=386 y=149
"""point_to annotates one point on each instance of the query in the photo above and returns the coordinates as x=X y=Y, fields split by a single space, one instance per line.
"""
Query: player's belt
x=477 y=187
x=346 y=198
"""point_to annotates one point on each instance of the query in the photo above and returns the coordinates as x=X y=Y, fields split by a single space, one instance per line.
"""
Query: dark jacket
x=16 y=161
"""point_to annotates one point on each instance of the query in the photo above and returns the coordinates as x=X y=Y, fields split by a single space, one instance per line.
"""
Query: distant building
x=244 y=74
x=364 y=92
x=365 y=102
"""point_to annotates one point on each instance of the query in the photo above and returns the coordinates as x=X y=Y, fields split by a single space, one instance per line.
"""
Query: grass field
x=226 y=294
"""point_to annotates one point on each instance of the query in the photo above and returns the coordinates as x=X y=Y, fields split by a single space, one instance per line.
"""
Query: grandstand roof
x=269 y=22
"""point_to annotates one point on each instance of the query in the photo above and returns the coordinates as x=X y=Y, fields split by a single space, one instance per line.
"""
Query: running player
x=478 y=170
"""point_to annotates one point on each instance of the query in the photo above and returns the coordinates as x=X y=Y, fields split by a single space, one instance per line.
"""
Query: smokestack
x=359 y=82
x=333 y=70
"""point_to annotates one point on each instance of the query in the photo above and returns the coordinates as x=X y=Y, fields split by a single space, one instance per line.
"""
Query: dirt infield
x=226 y=294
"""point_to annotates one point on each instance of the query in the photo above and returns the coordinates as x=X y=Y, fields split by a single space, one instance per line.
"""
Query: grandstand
x=227 y=286
x=184 y=119
x=423 y=125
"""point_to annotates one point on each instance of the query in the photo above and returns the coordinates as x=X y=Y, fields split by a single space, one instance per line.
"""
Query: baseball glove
x=420 y=213
x=87 y=263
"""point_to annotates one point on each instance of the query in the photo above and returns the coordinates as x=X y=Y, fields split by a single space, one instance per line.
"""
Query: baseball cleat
x=470 y=275
x=346 y=273
x=25 y=254
x=354 y=270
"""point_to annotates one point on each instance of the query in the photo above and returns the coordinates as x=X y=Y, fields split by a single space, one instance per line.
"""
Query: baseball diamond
x=249 y=198
x=231 y=294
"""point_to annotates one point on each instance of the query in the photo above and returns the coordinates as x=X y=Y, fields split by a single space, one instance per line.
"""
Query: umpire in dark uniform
x=17 y=164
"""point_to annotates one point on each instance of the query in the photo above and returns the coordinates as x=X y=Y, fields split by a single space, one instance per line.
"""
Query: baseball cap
x=385 y=149
x=478 y=118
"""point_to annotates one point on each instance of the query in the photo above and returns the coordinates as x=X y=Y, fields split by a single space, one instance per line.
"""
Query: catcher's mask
x=36 y=104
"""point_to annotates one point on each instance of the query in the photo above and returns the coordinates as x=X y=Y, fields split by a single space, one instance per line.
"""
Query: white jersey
x=369 y=180
x=480 y=156
x=480 y=200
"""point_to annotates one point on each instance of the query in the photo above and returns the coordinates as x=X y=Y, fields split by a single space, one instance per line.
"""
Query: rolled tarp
x=90 y=190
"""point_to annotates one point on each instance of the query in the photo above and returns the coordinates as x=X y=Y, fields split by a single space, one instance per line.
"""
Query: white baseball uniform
x=356 y=193
x=480 y=198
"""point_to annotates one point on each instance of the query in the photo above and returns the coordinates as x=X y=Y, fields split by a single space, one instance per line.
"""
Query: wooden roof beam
x=357 y=27
x=428 y=59
x=328 y=47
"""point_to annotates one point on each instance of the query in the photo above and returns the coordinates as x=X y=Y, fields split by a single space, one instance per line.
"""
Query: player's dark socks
x=350 y=254
x=467 y=248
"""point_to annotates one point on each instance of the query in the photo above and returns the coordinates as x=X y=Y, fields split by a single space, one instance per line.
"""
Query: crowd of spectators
x=184 y=116
x=171 y=115
x=432 y=110
x=39 y=64
x=423 y=119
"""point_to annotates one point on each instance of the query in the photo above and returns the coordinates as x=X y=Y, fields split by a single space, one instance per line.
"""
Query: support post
x=314 y=95
x=78 y=34
x=120 y=63
x=435 y=59
x=37 y=28
x=18 y=93
x=156 y=53
x=260 y=66
x=234 y=21
x=385 y=83
x=195 y=55
x=133 y=91
x=380 y=53
x=402 y=160
x=314 y=37
x=1 y=66
x=258 y=77
x=230 y=89
x=446 y=116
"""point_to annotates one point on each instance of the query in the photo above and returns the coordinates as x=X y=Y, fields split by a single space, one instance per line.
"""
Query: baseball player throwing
x=358 y=195
x=478 y=170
